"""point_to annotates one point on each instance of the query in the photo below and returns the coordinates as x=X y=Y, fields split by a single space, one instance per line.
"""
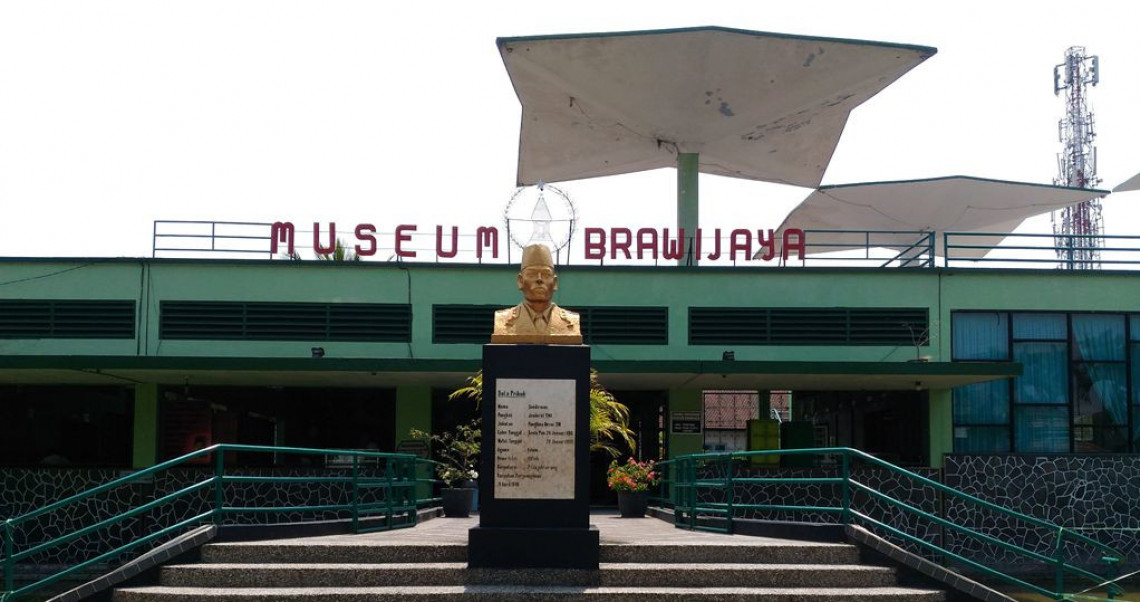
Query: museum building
x=1005 y=382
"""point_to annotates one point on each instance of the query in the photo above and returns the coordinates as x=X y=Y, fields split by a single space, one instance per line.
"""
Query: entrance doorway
x=891 y=425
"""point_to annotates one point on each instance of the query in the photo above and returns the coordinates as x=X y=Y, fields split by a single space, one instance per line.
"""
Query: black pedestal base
x=533 y=547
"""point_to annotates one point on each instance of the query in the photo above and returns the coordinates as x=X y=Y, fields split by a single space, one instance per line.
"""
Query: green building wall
x=150 y=282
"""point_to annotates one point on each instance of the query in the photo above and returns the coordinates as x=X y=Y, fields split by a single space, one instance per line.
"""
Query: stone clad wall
x=828 y=495
x=1098 y=496
x=26 y=489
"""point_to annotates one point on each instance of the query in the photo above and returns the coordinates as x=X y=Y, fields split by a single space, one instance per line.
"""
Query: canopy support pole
x=688 y=204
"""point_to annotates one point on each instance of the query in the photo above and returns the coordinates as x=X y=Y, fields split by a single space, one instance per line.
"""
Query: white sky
x=114 y=113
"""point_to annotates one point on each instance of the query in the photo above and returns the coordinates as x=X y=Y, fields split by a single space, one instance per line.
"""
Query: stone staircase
x=760 y=569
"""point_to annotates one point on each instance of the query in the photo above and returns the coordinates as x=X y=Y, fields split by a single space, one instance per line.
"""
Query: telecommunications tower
x=1078 y=231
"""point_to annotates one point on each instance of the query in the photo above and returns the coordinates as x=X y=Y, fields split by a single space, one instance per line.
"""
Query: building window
x=981 y=417
x=1134 y=351
x=726 y=418
x=1073 y=394
x=1041 y=429
x=981 y=410
x=1100 y=386
x=981 y=336
x=1041 y=393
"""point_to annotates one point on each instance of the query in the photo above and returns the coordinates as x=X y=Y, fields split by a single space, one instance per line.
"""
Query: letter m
x=487 y=237
x=282 y=232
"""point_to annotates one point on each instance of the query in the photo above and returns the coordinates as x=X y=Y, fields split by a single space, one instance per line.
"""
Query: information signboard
x=534 y=439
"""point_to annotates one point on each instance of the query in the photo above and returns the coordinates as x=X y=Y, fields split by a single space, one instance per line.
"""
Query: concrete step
x=271 y=553
x=502 y=593
x=609 y=575
x=790 y=552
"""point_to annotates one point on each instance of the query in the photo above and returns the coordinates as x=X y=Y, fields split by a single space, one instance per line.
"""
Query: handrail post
x=681 y=495
x=1059 y=566
x=1111 y=591
x=661 y=484
x=671 y=487
x=728 y=493
x=411 y=494
x=388 y=492
x=411 y=472
x=693 y=494
x=355 y=492
x=686 y=470
x=846 y=473
x=9 y=562
x=219 y=490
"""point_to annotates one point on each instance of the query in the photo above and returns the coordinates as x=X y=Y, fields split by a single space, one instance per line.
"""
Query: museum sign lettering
x=599 y=243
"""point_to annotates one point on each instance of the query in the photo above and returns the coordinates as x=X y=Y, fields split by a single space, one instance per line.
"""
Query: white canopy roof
x=948 y=204
x=1129 y=185
x=755 y=105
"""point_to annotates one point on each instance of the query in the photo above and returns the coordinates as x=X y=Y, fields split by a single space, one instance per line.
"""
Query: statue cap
x=537 y=255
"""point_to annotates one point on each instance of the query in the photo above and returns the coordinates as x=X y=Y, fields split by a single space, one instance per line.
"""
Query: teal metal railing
x=866 y=248
x=719 y=475
x=384 y=492
x=1041 y=251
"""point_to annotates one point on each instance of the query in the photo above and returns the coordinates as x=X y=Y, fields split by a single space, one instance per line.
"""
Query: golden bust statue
x=537 y=319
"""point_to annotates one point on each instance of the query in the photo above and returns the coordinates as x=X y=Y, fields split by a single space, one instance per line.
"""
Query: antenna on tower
x=1078 y=231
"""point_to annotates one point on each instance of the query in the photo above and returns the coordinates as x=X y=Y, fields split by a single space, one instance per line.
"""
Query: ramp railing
x=375 y=491
x=706 y=492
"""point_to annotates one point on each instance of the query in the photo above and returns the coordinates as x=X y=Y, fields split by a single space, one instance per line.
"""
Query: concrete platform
x=641 y=559
x=614 y=531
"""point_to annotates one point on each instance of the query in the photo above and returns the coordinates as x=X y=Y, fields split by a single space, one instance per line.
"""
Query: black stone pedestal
x=534 y=480
x=533 y=547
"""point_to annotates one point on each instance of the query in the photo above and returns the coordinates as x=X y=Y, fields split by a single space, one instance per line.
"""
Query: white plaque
x=534 y=439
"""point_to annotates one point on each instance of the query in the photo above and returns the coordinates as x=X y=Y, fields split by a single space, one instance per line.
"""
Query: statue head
x=537 y=279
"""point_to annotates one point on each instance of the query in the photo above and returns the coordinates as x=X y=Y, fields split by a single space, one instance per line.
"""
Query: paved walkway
x=613 y=530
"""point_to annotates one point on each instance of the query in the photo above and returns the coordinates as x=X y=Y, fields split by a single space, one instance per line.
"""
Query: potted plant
x=632 y=481
x=458 y=454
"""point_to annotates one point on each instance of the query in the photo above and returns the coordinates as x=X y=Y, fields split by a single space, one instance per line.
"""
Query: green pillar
x=688 y=204
x=684 y=400
x=764 y=405
x=941 y=420
x=145 y=440
x=413 y=411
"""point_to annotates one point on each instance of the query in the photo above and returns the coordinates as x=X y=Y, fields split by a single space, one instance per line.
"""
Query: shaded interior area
x=195 y=417
x=891 y=425
x=66 y=425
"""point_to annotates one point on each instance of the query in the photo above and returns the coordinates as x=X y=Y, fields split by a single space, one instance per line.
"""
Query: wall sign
x=685 y=423
x=417 y=447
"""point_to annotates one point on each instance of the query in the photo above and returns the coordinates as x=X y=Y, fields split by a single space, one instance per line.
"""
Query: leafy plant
x=473 y=389
x=609 y=418
x=340 y=253
x=633 y=476
x=458 y=451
